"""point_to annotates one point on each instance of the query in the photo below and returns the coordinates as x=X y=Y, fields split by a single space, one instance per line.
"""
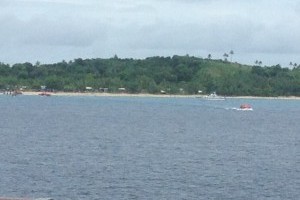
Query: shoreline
x=100 y=94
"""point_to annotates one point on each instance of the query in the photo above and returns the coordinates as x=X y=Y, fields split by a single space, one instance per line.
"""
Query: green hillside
x=174 y=75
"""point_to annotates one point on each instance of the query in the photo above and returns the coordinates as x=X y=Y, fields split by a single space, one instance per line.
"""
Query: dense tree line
x=177 y=74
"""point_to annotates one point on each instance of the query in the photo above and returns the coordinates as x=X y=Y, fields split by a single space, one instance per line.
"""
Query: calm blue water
x=148 y=148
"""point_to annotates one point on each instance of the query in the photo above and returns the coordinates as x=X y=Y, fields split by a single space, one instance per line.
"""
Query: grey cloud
x=191 y=36
x=4 y=3
x=76 y=28
x=60 y=33
x=297 y=8
x=43 y=32
x=9 y=29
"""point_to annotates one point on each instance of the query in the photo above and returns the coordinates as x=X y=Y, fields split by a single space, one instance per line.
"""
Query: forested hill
x=174 y=75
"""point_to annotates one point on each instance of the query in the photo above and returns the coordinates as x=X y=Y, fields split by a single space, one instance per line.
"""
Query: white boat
x=213 y=96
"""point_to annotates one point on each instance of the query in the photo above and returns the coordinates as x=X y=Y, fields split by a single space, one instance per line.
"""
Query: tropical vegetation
x=173 y=75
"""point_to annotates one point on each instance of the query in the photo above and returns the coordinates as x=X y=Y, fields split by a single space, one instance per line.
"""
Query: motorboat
x=15 y=93
x=246 y=107
x=45 y=94
x=213 y=96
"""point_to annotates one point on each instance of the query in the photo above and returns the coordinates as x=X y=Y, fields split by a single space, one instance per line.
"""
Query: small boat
x=15 y=93
x=246 y=107
x=45 y=94
x=213 y=96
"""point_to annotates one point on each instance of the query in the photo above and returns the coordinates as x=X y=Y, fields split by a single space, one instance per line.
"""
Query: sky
x=50 y=31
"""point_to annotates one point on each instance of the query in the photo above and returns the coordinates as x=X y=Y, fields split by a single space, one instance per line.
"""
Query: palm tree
x=231 y=54
x=225 y=56
x=209 y=56
x=259 y=63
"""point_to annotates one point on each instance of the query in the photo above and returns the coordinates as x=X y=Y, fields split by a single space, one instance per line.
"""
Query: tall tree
x=231 y=54
x=209 y=56
x=225 y=55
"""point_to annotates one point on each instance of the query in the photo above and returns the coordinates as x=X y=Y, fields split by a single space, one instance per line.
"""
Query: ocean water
x=94 y=148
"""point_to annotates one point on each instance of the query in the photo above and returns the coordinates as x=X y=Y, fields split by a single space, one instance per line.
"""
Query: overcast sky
x=54 y=30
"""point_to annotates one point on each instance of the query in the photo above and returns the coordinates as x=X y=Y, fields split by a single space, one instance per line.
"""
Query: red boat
x=246 y=107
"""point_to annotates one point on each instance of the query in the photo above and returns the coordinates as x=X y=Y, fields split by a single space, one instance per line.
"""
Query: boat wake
x=240 y=109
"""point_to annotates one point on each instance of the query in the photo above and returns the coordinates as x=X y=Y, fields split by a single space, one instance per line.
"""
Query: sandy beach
x=101 y=94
